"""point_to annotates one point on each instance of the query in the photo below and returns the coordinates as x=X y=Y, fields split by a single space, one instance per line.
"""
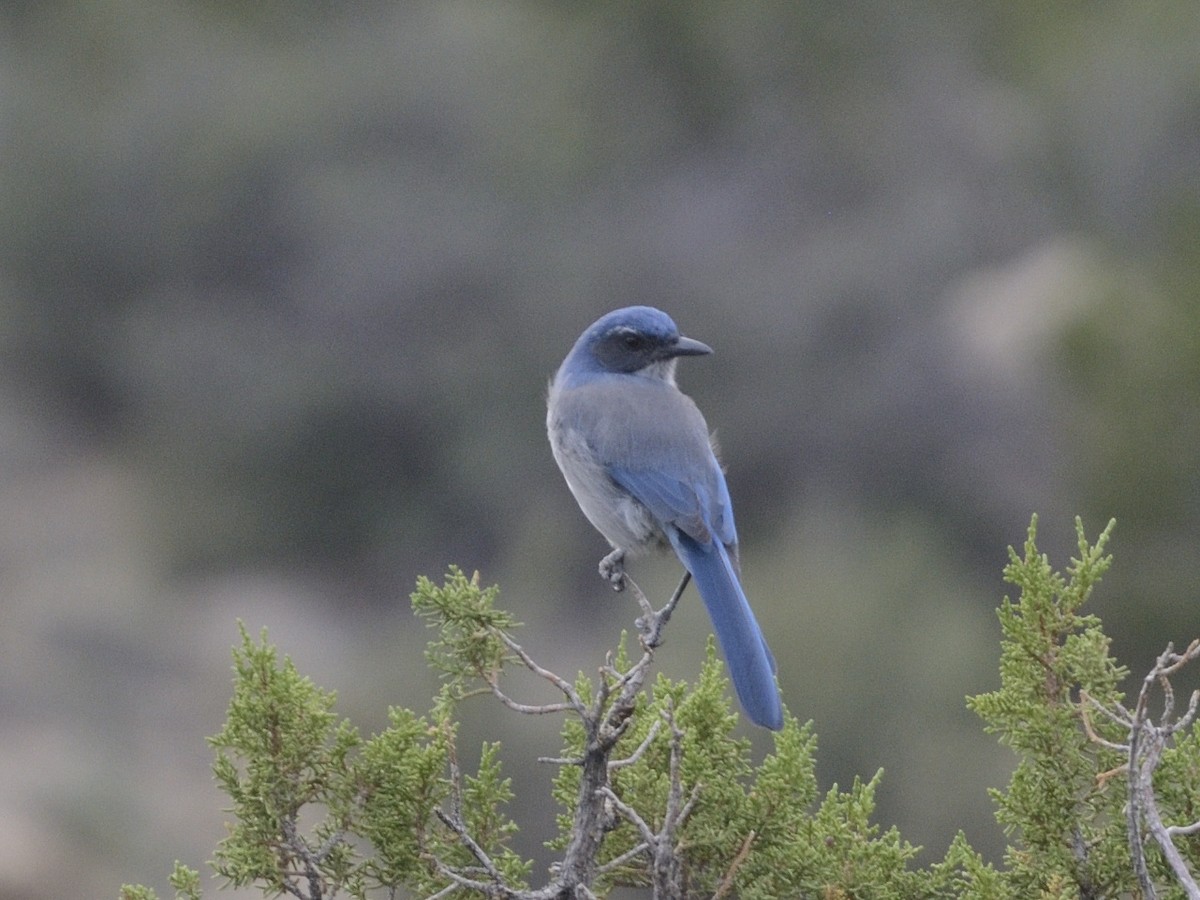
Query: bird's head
x=636 y=339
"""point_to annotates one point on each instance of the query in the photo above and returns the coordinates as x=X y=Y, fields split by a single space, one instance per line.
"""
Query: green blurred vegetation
x=281 y=285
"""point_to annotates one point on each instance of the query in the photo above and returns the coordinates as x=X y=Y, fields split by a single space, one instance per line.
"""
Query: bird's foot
x=612 y=569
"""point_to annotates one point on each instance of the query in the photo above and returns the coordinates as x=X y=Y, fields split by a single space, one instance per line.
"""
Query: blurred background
x=282 y=284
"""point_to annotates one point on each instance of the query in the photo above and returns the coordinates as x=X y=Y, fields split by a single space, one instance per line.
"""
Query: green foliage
x=752 y=831
x=469 y=625
x=483 y=796
x=282 y=751
x=285 y=759
x=400 y=775
x=1177 y=789
x=677 y=802
x=1070 y=823
x=184 y=880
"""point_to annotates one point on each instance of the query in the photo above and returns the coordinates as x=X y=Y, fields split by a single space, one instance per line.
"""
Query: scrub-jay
x=637 y=455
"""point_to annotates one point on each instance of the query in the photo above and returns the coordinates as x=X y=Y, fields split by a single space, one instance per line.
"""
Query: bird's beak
x=685 y=346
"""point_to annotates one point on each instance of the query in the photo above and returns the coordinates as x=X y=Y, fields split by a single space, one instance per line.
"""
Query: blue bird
x=637 y=455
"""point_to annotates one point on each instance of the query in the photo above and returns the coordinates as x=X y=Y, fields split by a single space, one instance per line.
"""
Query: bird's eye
x=633 y=341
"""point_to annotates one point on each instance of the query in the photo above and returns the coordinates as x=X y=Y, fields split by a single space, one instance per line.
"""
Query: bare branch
x=652 y=630
x=617 y=862
x=637 y=754
x=675 y=792
x=640 y=597
x=631 y=815
x=605 y=721
x=1179 y=660
x=1186 y=720
x=1086 y=701
x=1147 y=741
x=526 y=708
x=686 y=811
x=461 y=881
x=455 y=824
x=496 y=886
x=562 y=684
x=726 y=884
x=298 y=850
x=447 y=890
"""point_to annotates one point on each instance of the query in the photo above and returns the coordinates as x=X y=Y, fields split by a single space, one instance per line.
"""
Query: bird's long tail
x=750 y=662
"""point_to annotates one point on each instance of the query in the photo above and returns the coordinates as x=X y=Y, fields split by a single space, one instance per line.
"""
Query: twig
x=456 y=824
x=1183 y=830
x=618 y=861
x=637 y=754
x=561 y=760
x=461 y=881
x=496 y=887
x=652 y=635
x=526 y=708
x=666 y=856
x=726 y=884
x=661 y=845
x=1088 y=700
x=446 y=891
x=631 y=815
x=298 y=848
x=562 y=684
x=1147 y=741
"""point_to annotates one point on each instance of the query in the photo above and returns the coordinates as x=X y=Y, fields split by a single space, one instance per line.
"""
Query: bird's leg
x=612 y=569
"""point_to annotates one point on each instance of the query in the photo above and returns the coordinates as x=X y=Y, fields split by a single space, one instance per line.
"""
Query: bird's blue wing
x=697 y=506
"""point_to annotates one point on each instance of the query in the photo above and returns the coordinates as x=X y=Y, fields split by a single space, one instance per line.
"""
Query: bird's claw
x=612 y=569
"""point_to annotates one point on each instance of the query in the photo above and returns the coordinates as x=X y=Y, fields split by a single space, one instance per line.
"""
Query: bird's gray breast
x=623 y=520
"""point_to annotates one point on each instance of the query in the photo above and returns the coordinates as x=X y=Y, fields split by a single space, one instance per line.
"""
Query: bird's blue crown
x=646 y=320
